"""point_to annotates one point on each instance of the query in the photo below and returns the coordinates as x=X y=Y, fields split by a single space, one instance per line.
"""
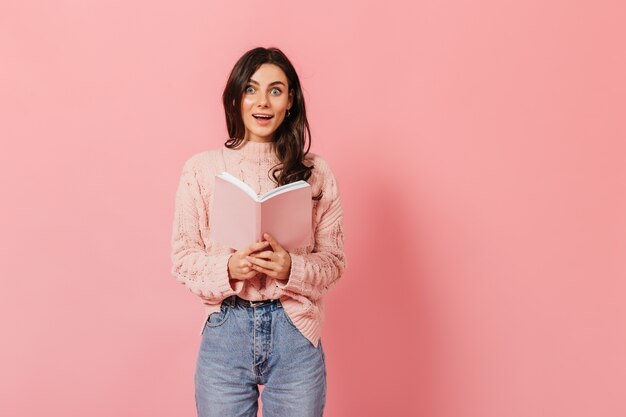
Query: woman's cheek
x=247 y=101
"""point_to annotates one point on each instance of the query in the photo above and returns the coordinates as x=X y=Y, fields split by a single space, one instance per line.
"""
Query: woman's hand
x=275 y=263
x=239 y=267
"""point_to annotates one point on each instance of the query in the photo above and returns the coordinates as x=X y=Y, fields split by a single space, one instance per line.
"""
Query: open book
x=240 y=217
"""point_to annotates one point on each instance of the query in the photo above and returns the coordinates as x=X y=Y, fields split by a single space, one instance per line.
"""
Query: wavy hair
x=290 y=137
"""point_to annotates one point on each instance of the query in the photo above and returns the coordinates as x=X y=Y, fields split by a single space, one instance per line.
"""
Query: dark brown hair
x=290 y=136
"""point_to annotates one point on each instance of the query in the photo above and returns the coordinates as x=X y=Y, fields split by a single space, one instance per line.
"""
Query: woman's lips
x=263 y=122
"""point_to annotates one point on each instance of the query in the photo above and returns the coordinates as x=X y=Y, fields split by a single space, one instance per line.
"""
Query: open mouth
x=262 y=116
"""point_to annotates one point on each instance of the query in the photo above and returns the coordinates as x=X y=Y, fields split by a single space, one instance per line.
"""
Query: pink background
x=479 y=147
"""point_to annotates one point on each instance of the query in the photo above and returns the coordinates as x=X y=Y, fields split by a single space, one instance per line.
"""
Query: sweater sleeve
x=313 y=274
x=205 y=274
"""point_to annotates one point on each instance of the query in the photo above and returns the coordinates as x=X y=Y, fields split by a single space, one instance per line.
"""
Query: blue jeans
x=243 y=347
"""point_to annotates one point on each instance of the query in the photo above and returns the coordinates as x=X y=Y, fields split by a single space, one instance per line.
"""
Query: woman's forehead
x=268 y=73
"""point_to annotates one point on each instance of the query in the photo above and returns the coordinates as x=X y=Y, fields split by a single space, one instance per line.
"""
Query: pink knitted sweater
x=202 y=265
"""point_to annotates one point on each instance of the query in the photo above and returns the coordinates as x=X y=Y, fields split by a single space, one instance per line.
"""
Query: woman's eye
x=249 y=89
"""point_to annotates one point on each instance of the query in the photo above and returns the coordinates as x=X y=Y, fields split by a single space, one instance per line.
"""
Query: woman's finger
x=262 y=270
x=255 y=247
x=268 y=254
x=266 y=265
x=273 y=242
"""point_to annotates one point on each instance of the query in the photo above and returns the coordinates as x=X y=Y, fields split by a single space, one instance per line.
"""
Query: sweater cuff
x=295 y=283
x=225 y=285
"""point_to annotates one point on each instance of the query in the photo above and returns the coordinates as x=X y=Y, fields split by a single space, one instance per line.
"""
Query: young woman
x=264 y=305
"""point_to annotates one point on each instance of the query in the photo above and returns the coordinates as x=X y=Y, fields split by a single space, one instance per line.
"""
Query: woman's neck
x=257 y=150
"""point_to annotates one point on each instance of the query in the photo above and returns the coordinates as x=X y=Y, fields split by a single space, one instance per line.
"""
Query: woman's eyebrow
x=270 y=84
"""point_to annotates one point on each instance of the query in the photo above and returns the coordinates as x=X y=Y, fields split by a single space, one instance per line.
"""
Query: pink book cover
x=240 y=217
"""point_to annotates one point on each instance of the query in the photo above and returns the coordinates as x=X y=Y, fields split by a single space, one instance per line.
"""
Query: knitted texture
x=202 y=265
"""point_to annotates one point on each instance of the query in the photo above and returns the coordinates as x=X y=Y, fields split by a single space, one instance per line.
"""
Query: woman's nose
x=262 y=100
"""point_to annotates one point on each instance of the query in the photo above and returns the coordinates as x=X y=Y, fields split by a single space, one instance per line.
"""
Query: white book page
x=236 y=181
x=284 y=189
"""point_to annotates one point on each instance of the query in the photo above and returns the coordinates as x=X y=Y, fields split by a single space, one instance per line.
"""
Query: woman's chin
x=264 y=134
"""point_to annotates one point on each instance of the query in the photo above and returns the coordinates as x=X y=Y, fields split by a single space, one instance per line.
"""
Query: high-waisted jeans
x=243 y=347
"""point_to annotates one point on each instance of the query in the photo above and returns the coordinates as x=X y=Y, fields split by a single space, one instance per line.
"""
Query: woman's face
x=265 y=94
